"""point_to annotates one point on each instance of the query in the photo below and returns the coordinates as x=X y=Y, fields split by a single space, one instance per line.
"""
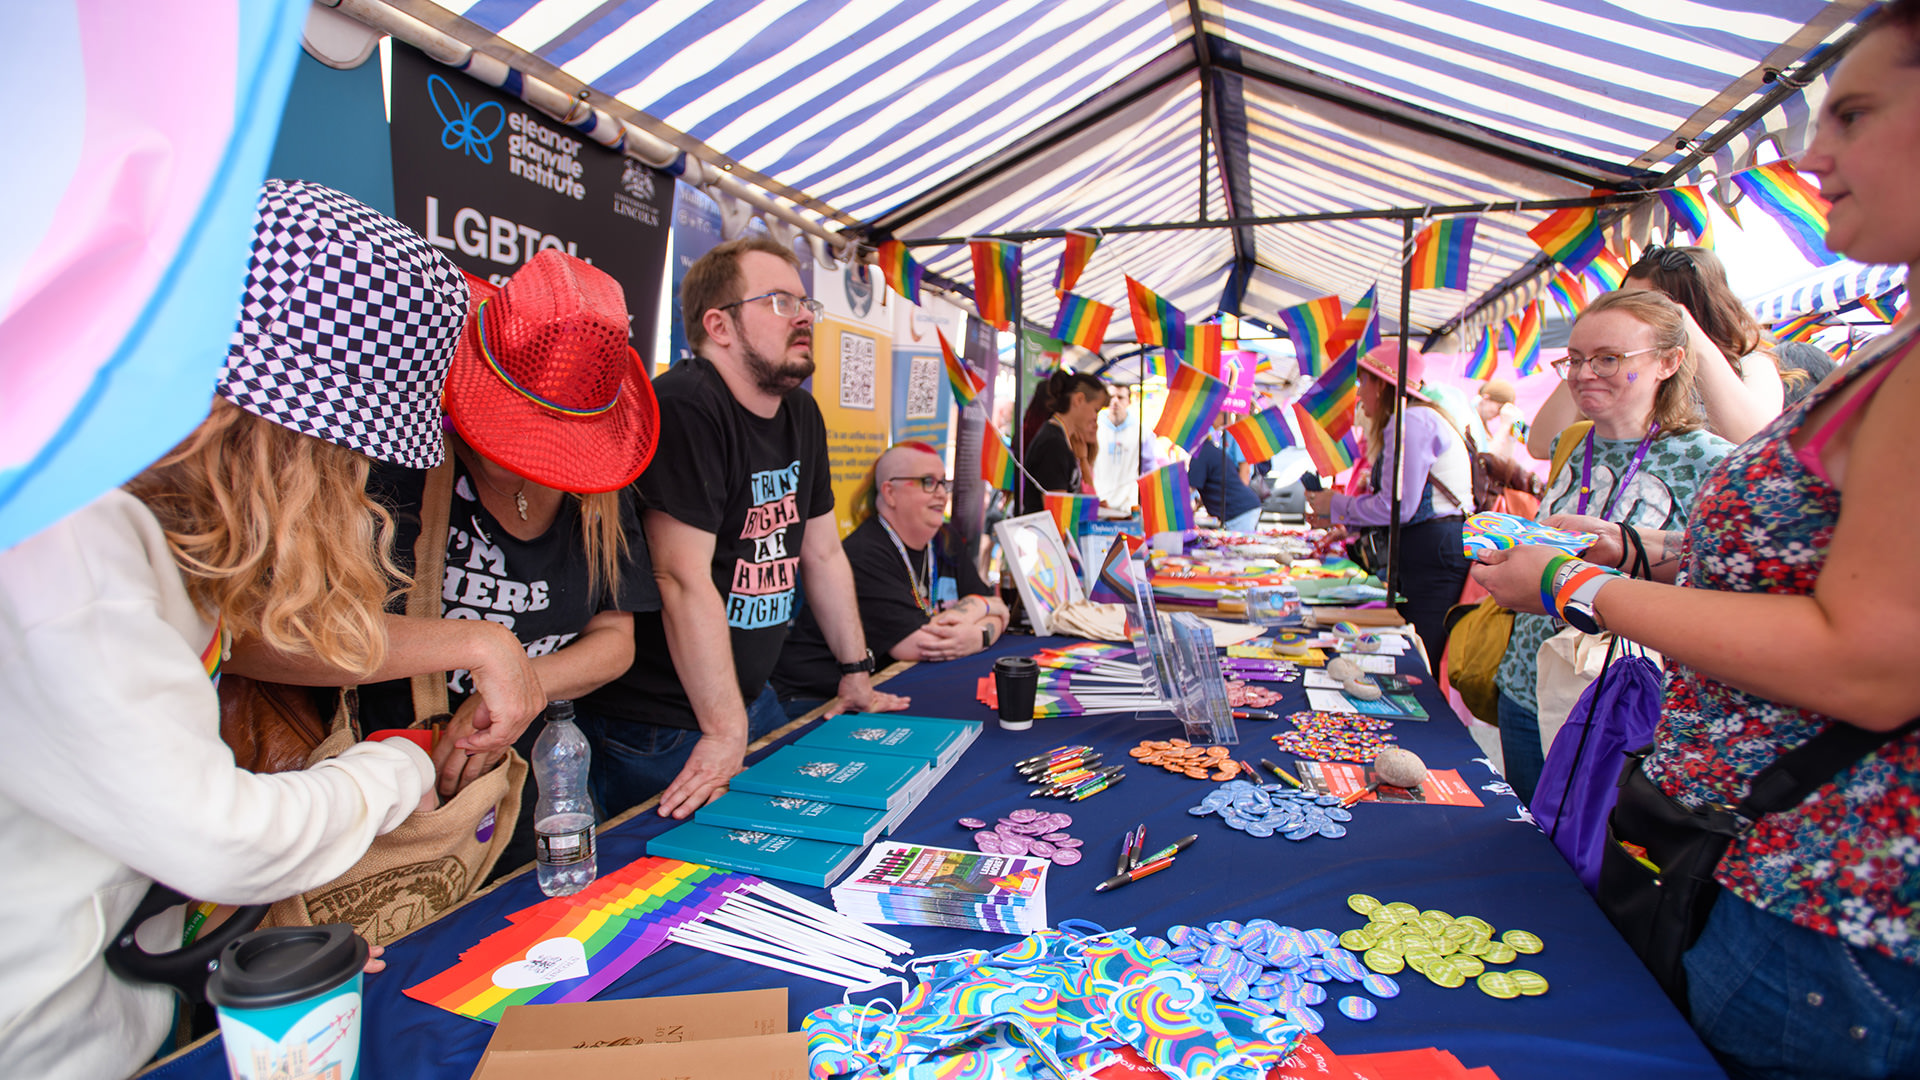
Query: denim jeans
x=1243 y=523
x=1773 y=999
x=633 y=762
x=1520 y=747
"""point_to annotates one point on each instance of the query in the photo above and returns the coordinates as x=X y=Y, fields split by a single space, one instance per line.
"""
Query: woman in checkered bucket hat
x=114 y=623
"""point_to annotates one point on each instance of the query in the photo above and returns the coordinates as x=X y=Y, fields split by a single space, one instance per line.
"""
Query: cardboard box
x=733 y=1036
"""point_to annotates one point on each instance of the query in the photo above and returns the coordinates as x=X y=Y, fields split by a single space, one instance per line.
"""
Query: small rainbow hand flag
x=1800 y=328
x=1688 y=207
x=1606 y=270
x=1569 y=292
x=1486 y=358
x=966 y=385
x=1311 y=326
x=1262 y=435
x=1073 y=513
x=1526 y=340
x=1842 y=349
x=996 y=274
x=1442 y=254
x=1361 y=324
x=996 y=461
x=1073 y=259
x=901 y=272
x=1082 y=322
x=1330 y=400
x=1166 y=502
x=1571 y=236
x=1202 y=348
x=1193 y=398
x=1155 y=321
x=1780 y=190
x=1331 y=456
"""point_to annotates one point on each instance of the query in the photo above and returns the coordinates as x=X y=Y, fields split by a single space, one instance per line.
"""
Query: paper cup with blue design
x=288 y=999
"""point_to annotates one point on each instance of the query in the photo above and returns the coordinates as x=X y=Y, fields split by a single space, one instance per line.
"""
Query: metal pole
x=1400 y=410
x=1019 y=396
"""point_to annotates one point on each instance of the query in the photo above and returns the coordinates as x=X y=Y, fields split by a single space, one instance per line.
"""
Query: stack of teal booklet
x=806 y=811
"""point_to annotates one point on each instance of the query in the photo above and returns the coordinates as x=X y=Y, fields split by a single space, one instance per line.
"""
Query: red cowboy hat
x=545 y=383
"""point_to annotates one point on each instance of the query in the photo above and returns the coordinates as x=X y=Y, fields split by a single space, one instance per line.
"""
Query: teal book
x=877 y=781
x=789 y=816
x=751 y=851
x=938 y=741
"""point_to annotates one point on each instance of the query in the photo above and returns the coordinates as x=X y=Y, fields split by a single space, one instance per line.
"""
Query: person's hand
x=715 y=760
x=858 y=695
x=508 y=691
x=1513 y=576
x=948 y=641
x=1319 y=507
x=1609 y=550
x=455 y=765
x=375 y=965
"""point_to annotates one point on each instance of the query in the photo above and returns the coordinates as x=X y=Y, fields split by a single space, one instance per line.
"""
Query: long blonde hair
x=275 y=534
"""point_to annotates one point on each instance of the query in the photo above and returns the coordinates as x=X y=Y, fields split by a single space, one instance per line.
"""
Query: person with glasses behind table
x=920 y=596
x=1736 y=376
x=738 y=516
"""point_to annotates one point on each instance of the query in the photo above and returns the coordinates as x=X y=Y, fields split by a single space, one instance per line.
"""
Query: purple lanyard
x=1626 y=477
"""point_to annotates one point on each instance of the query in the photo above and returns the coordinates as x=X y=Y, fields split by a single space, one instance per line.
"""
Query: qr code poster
x=856 y=371
x=923 y=388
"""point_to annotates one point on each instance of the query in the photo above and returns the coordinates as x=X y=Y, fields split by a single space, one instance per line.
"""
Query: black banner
x=490 y=180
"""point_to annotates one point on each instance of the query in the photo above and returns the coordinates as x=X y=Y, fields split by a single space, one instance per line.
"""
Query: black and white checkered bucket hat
x=347 y=326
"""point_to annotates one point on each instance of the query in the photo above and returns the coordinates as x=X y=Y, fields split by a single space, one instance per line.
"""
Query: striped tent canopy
x=1827 y=290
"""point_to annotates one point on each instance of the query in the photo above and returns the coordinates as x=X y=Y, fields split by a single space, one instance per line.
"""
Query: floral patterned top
x=1846 y=861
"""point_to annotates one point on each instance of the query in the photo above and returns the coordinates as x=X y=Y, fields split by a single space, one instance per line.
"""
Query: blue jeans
x=633 y=762
x=1772 y=999
x=1243 y=523
x=1520 y=747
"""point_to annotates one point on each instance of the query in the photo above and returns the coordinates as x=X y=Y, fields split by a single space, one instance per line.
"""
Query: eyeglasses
x=1666 y=258
x=928 y=483
x=1602 y=366
x=785 y=304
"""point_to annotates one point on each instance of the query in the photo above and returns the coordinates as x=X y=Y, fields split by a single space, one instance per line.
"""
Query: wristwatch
x=862 y=665
x=1578 y=610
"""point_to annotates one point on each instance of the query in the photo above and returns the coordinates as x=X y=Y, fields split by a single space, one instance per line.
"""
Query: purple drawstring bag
x=1616 y=712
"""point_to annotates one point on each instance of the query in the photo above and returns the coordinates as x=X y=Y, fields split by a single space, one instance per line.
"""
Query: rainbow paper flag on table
x=1688 y=208
x=1331 y=456
x=1155 y=321
x=1800 y=328
x=966 y=385
x=1486 y=359
x=1526 y=340
x=1571 y=236
x=1073 y=259
x=996 y=460
x=1569 y=292
x=1311 y=326
x=1262 y=435
x=996 y=274
x=1780 y=190
x=1166 y=502
x=1073 y=513
x=1331 y=398
x=1607 y=271
x=1443 y=253
x=1361 y=324
x=1193 y=398
x=1880 y=307
x=1202 y=348
x=1082 y=322
x=901 y=272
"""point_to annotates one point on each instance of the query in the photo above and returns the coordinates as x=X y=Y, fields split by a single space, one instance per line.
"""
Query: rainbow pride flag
x=1193 y=398
x=1361 y=324
x=1073 y=259
x=996 y=460
x=1262 y=435
x=1155 y=321
x=1780 y=190
x=901 y=272
x=1606 y=270
x=1688 y=207
x=1569 y=292
x=1331 y=398
x=966 y=385
x=1880 y=307
x=1526 y=340
x=1166 y=502
x=1486 y=359
x=1571 y=236
x=1311 y=326
x=1842 y=349
x=1443 y=252
x=1073 y=513
x=1082 y=322
x=1800 y=328
x=1202 y=348
x=996 y=274
x=1331 y=456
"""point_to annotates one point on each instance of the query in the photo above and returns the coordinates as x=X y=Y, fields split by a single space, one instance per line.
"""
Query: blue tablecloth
x=1603 y=1017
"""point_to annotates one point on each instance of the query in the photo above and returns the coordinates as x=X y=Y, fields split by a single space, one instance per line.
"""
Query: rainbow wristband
x=1586 y=572
x=1546 y=582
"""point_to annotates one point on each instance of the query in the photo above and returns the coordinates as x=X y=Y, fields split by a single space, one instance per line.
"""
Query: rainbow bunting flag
x=996 y=274
x=1800 y=328
x=1262 y=435
x=1881 y=307
x=1073 y=259
x=1486 y=358
x=1311 y=326
x=1193 y=398
x=1073 y=513
x=1361 y=324
x=1331 y=456
x=1202 y=348
x=996 y=460
x=1780 y=190
x=966 y=385
x=1166 y=502
x=1331 y=398
x=1442 y=254
x=1569 y=292
x=1607 y=271
x=901 y=272
x=1571 y=236
x=1842 y=349
x=1526 y=340
x=1155 y=321
x=1082 y=322
x=1688 y=208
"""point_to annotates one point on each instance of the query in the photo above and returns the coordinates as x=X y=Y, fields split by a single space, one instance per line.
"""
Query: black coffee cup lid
x=285 y=964
x=1014 y=663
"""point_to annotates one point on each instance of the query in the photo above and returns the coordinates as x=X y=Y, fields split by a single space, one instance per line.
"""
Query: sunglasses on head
x=1666 y=258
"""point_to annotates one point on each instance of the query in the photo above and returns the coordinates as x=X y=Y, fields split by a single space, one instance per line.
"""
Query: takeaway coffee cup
x=288 y=999
x=1015 y=680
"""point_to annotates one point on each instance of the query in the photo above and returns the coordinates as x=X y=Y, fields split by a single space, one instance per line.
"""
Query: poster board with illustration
x=1037 y=558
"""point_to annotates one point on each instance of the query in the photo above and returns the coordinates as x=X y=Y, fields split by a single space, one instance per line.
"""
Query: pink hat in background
x=1383 y=358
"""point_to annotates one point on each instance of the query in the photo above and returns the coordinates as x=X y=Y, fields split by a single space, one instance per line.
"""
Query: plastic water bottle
x=563 y=814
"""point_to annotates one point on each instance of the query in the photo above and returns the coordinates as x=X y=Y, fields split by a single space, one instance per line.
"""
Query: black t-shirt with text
x=753 y=482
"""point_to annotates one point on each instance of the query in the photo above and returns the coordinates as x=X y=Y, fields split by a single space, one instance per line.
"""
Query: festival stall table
x=1603 y=1015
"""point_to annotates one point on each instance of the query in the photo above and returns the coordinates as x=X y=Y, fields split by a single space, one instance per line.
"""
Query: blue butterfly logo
x=463 y=132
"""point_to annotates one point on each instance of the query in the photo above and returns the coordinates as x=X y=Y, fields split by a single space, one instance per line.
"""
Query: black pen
x=1134 y=874
x=1255 y=714
x=1169 y=851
